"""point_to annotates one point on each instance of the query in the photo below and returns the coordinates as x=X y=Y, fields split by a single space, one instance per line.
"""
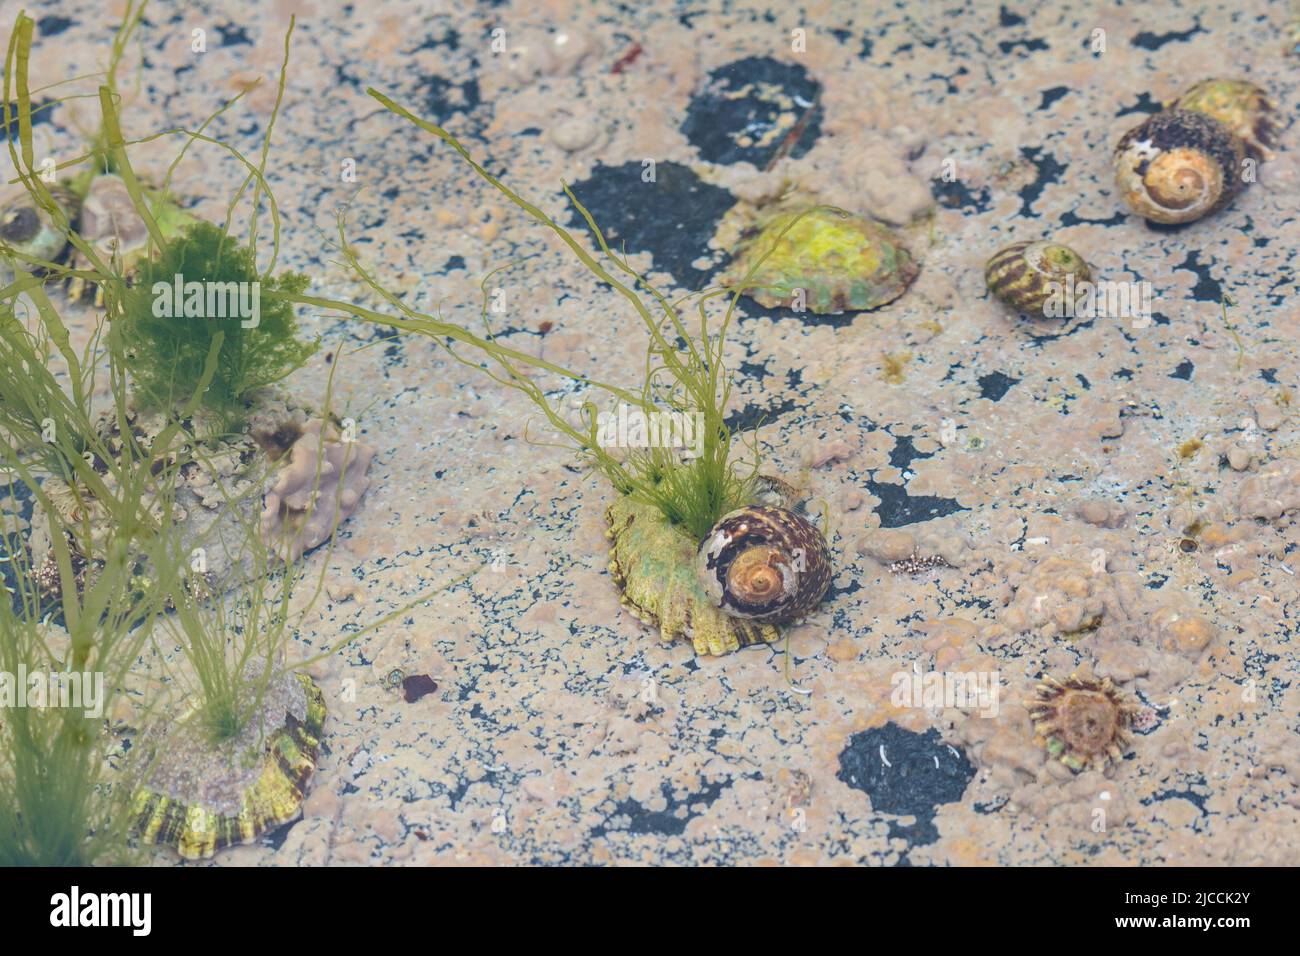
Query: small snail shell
x=764 y=564
x=1244 y=108
x=1026 y=275
x=28 y=228
x=1178 y=165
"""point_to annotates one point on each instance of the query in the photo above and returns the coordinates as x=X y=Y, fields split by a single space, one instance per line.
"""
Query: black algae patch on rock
x=664 y=209
x=755 y=110
x=906 y=774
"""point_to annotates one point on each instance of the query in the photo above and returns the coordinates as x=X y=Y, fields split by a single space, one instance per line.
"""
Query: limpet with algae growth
x=199 y=798
x=823 y=260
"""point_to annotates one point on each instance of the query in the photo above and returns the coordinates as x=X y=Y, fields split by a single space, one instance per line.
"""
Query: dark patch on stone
x=1184 y=370
x=1147 y=40
x=454 y=262
x=746 y=100
x=904 y=452
x=1007 y=18
x=233 y=35
x=275 y=839
x=994 y=385
x=665 y=822
x=922 y=774
x=957 y=195
x=752 y=416
x=897 y=508
x=1207 y=288
x=1048 y=171
x=1052 y=95
x=1068 y=218
x=52 y=25
x=417 y=686
x=672 y=218
x=1145 y=105
x=442 y=98
x=1034 y=45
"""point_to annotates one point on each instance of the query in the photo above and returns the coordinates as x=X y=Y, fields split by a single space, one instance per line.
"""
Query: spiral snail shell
x=764 y=564
x=28 y=228
x=1027 y=275
x=1178 y=166
x=1245 y=109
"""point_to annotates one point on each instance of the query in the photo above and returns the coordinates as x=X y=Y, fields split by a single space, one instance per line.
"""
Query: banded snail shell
x=764 y=564
x=1178 y=166
x=1027 y=275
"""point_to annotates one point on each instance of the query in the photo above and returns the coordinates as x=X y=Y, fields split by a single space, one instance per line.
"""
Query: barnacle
x=1083 y=722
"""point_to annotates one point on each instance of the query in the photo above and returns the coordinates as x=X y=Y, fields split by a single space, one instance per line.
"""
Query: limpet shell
x=653 y=563
x=1083 y=722
x=1244 y=108
x=1178 y=165
x=1027 y=275
x=828 y=261
x=196 y=831
x=764 y=564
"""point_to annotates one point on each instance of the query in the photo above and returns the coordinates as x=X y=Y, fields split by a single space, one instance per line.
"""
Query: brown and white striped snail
x=1245 y=109
x=1029 y=275
x=1179 y=165
x=765 y=564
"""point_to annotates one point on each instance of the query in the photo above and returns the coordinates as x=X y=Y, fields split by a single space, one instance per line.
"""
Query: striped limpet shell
x=827 y=261
x=270 y=790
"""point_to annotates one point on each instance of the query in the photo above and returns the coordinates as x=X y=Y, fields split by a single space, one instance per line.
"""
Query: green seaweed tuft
x=166 y=352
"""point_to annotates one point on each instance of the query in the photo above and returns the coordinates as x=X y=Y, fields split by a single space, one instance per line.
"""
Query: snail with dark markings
x=764 y=564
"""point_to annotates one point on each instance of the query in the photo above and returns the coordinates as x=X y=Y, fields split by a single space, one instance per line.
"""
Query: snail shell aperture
x=1244 y=108
x=1178 y=165
x=764 y=564
x=28 y=228
x=1026 y=275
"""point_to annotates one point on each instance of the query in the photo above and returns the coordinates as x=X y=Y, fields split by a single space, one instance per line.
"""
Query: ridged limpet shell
x=274 y=796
